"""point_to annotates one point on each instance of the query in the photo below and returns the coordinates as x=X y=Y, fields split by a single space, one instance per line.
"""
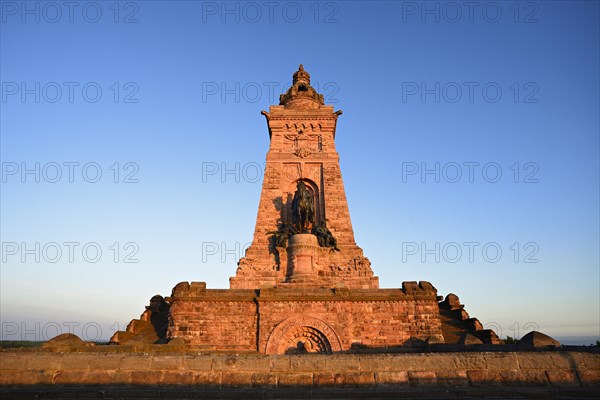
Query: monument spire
x=301 y=74
x=302 y=154
x=301 y=95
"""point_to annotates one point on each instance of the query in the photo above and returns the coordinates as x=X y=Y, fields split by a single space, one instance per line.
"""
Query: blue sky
x=498 y=102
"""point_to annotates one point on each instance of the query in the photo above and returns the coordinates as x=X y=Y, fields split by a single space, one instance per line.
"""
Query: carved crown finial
x=301 y=95
x=301 y=75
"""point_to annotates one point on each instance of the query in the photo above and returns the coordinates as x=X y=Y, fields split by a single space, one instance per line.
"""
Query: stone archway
x=313 y=189
x=303 y=334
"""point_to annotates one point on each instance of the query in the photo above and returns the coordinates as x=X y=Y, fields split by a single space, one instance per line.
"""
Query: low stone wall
x=570 y=369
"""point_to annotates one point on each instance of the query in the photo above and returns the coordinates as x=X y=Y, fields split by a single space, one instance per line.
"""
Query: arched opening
x=303 y=334
x=305 y=339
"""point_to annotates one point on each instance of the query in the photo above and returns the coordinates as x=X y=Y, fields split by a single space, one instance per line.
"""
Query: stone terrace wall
x=478 y=369
x=372 y=318
x=244 y=319
x=218 y=319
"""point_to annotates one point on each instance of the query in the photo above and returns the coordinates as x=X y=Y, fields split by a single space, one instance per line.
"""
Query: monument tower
x=302 y=149
x=303 y=285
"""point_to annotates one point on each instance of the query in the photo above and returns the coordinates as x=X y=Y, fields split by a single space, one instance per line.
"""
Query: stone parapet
x=553 y=369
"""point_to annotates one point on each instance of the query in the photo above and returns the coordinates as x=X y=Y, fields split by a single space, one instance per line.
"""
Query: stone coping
x=181 y=348
x=562 y=369
x=197 y=291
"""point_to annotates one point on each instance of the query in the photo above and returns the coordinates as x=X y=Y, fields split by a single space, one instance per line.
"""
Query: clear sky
x=133 y=147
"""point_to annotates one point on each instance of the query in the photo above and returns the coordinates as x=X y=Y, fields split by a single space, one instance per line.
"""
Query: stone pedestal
x=302 y=257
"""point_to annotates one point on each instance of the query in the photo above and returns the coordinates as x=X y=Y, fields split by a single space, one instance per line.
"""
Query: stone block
x=37 y=377
x=45 y=361
x=379 y=362
x=482 y=377
x=197 y=362
x=452 y=378
x=564 y=378
x=535 y=361
x=76 y=361
x=340 y=363
x=121 y=377
x=264 y=379
x=145 y=377
x=468 y=339
x=177 y=378
x=14 y=361
x=236 y=379
x=473 y=324
x=166 y=362
x=99 y=377
x=451 y=302
x=501 y=361
x=469 y=361
x=323 y=379
x=589 y=378
x=207 y=379
x=422 y=378
x=250 y=363
x=429 y=362
x=294 y=379
x=354 y=379
x=281 y=363
x=395 y=378
x=524 y=378
x=308 y=363
x=104 y=361
x=134 y=362
x=591 y=361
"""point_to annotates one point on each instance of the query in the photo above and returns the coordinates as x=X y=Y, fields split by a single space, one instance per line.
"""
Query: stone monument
x=304 y=285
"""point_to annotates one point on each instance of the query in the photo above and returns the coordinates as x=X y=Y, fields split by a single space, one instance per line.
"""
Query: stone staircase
x=459 y=328
x=138 y=331
x=150 y=328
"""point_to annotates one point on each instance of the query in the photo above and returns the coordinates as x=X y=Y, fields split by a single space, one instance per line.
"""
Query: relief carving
x=303 y=333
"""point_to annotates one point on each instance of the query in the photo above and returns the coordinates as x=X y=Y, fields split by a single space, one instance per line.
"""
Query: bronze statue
x=320 y=233
x=280 y=237
x=325 y=237
x=303 y=211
